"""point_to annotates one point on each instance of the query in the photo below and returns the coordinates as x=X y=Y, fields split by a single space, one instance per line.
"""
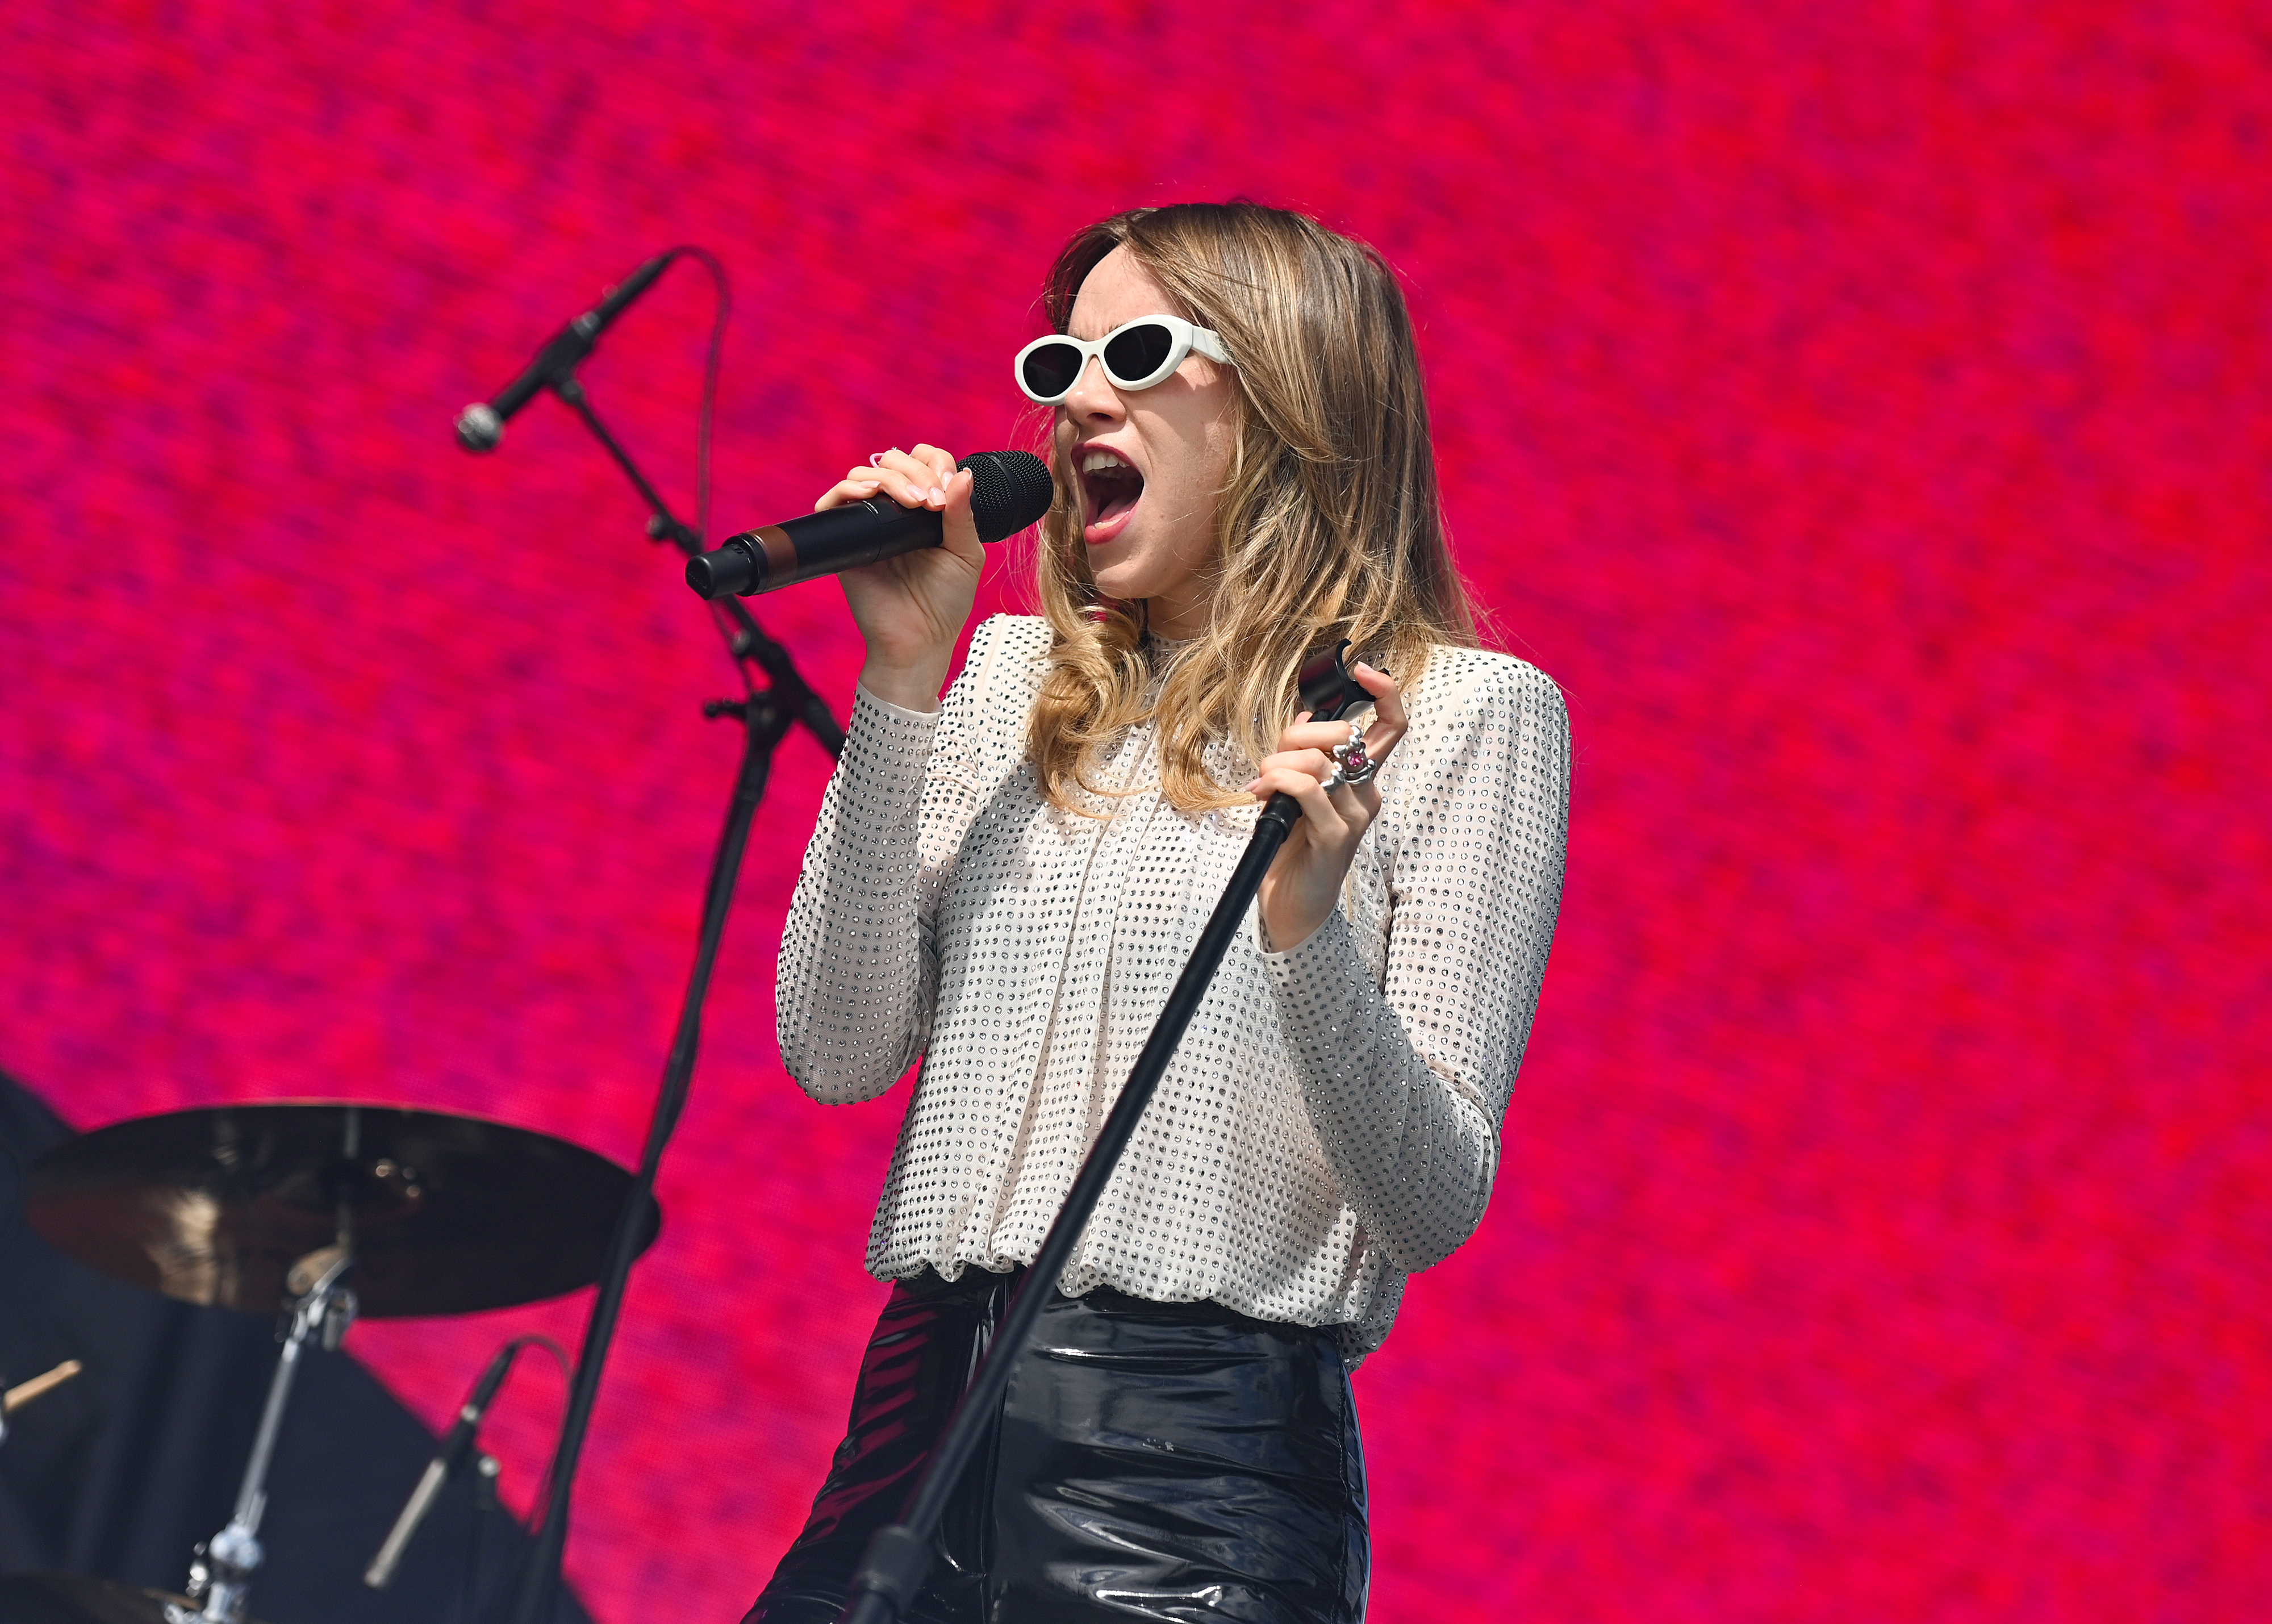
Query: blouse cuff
x=885 y=750
x=861 y=697
x=1317 y=982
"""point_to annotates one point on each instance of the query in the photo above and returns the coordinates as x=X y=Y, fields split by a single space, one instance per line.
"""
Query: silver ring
x=1354 y=751
x=876 y=457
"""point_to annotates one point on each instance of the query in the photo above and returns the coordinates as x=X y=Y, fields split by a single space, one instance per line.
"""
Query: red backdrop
x=1861 y=409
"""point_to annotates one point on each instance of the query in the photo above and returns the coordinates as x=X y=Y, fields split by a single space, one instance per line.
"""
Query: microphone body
x=450 y=1455
x=380 y=1574
x=482 y=425
x=1010 y=491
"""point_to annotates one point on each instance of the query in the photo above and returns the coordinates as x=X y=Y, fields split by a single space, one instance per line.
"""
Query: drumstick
x=24 y=1392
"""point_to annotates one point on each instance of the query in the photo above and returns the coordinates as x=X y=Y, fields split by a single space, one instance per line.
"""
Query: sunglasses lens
x=1050 y=370
x=1137 y=353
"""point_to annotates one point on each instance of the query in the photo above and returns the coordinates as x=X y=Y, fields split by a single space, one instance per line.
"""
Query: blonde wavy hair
x=1327 y=524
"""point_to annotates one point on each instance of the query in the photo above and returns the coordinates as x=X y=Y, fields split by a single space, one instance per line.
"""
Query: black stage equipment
x=898 y=1556
x=335 y=1210
x=450 y=1456
x=767 y=715
x=482 y=425
x=1009 y=490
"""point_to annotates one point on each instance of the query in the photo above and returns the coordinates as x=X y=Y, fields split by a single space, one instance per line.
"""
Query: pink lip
x=1105 y=530
x=1098 y=533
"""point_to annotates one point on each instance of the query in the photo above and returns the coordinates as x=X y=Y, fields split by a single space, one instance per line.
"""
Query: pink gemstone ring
x=1351 y=764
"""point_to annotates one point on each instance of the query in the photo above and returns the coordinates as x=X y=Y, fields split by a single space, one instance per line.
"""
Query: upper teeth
x=1099 y=459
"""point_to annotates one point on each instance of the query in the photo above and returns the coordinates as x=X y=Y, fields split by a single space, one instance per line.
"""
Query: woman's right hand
x=911 y=609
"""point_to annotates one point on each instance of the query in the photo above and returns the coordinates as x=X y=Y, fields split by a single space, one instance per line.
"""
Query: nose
x=1093 y=399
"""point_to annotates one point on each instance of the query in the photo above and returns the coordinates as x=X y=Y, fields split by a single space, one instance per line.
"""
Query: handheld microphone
x=482 y=425
x=456 y=1444
x=1010 y=489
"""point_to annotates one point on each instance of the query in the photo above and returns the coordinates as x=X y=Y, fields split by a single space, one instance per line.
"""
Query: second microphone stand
x=767 y=715
x=899 y=1557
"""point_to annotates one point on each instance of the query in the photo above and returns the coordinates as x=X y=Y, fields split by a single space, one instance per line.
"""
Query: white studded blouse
x=1330 y=1122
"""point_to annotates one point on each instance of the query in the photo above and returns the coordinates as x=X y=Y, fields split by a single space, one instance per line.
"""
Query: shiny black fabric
x=1171 y=1461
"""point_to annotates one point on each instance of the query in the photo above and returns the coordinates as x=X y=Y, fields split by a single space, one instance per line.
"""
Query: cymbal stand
x=222 y=1576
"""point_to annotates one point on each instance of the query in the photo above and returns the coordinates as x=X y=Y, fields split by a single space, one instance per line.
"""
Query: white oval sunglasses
x=1136 y=355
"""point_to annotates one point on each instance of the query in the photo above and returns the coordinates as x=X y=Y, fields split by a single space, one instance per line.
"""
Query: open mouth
x=1110 y=488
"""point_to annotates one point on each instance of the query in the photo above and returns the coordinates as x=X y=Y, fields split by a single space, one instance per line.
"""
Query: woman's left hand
x=1305 y=882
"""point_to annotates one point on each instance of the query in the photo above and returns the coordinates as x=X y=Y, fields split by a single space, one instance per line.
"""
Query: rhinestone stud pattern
x=1330 y=1122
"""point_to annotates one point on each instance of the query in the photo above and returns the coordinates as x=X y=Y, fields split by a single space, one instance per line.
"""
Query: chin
x=1118 y=570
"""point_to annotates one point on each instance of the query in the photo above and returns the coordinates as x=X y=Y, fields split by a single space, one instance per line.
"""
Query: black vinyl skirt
x=1151 y=1461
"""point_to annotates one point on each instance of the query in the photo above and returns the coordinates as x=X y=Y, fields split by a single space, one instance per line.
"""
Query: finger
x=961 y=531
x=1316 y=763
x=1390 y=723
x=1359 y=803
x=902 y=488
x=941 y=464
x=1324 y=820
x=853 y=488
x=917 y=491
x=912 y=479
x=1388 y=698
x=1354 y=807
x=1289 y=740
x=1315 y=736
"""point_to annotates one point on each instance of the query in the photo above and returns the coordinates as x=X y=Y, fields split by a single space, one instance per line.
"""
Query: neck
x=1172 y=621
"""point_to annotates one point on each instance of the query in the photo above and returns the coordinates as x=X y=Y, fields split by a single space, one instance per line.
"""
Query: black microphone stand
x=767 y=715
x=898 y=1556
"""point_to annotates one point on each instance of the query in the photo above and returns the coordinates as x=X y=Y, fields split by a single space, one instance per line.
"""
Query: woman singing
x=1006 y=884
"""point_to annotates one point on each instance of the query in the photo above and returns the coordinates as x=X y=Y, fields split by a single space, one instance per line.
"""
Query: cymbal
x=445 y=1214
x=68 y=1598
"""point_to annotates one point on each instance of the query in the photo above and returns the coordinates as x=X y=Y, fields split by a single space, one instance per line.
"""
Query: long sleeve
x=1407 y=1079
x=1328 y=1128
x=857 y=978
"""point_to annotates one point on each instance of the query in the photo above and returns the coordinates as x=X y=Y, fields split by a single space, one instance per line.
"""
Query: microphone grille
x=1009 y=490
x=479 y=427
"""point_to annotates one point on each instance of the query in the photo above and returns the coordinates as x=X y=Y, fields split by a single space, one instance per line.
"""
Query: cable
x=704 y=434
x=539 y=1504
x=702 y=430
x=542 y=1501
x=536 y=1340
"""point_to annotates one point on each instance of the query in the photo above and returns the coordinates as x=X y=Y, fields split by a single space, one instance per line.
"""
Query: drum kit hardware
x=39 y=1386
x=335 y=1212
x=67 y=1599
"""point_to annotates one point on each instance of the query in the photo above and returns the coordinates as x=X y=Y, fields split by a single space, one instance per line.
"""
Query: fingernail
x=1252 y=788
x=937 y=495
